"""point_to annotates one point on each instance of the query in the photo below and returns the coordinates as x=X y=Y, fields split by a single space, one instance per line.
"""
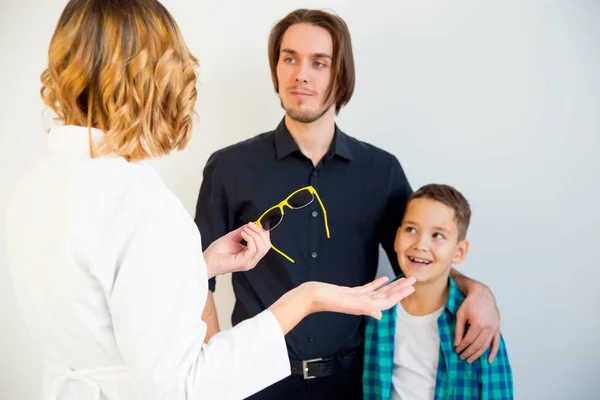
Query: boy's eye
x=438 y=236
x=410 y=229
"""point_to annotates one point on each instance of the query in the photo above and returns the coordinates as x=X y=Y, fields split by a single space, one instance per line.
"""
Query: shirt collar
x=72 y=138
x=455 y=297
x=286 y=145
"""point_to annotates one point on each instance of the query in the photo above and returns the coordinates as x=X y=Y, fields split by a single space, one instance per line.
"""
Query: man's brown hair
x=452 y=198
x=342 y=75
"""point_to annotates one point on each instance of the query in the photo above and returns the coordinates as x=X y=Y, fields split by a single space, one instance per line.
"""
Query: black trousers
x=346 y=384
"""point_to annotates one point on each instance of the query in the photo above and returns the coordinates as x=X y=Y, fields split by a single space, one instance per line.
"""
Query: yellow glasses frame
x=285 y=203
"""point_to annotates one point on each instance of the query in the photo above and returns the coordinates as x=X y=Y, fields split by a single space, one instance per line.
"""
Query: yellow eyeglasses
x=299 y=199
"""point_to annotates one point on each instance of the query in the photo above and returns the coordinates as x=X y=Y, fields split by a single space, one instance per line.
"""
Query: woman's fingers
x=371 y=286
x=261 y=244
x=265 y=242
x=400 y=283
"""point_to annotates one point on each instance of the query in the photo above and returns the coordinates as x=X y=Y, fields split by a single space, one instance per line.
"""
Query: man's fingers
x=472 y=334
x=460 y=329
x=495 y=347
x=477 y=344
x=479 y=350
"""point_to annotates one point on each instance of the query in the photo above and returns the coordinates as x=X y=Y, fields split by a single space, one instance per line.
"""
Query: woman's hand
x=311 y=297
x=227 y=254
x=369 y=299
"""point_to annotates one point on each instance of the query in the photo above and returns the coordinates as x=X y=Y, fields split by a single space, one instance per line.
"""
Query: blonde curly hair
x=123 y=67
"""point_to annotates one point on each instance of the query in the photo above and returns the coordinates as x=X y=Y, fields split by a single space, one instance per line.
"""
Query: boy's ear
x=461 y=252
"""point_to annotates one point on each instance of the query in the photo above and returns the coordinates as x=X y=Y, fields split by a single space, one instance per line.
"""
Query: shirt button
x=314 y=213
x=314 y=255
x=315 y=174
x=311 y=338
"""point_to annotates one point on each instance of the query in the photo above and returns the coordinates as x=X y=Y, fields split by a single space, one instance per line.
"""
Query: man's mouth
x=301 y=94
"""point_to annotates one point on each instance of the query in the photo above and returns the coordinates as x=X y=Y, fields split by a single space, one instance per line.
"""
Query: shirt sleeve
x=214 y=217
x=399 y=192
x=156 y=304
x=495 y=379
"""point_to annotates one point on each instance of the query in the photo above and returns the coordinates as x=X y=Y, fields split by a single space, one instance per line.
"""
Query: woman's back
x=78 y=218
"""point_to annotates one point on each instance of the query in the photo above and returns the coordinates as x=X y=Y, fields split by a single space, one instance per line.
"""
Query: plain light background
x=499 y=98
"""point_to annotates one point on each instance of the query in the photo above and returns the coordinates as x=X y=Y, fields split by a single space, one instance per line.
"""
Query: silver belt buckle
x=305 y=367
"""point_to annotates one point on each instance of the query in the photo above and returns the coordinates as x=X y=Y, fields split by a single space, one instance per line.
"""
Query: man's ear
x=461 y=251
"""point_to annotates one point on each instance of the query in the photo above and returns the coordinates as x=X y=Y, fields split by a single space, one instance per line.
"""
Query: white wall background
x=499 y=98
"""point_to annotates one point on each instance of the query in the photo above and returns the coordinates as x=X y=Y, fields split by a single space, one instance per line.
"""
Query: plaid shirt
x=456 y=379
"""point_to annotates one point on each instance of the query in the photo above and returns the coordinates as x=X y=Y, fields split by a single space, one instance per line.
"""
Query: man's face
x=427 y=241
x=304 y=71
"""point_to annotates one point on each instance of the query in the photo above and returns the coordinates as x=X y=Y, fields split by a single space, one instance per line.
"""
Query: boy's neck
x=427 y=297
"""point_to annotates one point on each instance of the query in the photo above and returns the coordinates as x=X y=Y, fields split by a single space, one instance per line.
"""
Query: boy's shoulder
x=455 y=297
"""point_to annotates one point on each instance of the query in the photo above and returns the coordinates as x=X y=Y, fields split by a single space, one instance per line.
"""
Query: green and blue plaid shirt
x=456 y=379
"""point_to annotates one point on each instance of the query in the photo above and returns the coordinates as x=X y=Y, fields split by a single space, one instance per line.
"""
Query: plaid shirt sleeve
x=495 y=379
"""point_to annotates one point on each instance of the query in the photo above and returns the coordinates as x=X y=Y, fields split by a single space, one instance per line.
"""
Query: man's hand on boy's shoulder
x=479 y=317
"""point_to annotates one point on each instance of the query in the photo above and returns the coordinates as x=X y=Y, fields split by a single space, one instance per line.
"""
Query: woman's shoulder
x=117 y=190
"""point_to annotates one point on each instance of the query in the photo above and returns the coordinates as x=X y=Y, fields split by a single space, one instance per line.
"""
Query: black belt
x=322 y=367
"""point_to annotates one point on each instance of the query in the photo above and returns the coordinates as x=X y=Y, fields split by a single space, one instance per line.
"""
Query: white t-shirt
x=416 y=352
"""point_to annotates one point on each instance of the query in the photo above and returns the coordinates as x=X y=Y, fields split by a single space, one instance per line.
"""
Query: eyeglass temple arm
x=324 y=213
x=282 y=253
x=275 y=248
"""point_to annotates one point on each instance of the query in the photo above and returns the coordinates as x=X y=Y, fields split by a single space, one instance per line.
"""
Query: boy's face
x=304 y=71
x=427 y=241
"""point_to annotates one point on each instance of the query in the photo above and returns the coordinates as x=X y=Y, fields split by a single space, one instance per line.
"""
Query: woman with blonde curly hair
x=107 y=264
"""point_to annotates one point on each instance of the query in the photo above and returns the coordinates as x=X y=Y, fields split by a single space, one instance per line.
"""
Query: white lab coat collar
x=72 y=138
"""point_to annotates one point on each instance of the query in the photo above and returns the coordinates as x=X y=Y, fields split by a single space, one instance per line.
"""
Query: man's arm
x=399 y=191
x=480 y=312
x=214 y=219
x=209 y=316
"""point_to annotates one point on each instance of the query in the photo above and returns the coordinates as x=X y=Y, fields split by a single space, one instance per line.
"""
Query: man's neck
x=427 y=297
x=313 y=139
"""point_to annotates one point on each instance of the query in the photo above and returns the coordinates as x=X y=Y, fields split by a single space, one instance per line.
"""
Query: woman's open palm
x=369 y=299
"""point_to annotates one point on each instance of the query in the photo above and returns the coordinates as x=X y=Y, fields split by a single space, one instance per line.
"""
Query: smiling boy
x=409 y=352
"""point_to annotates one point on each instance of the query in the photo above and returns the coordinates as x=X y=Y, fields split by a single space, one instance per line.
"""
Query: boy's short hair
x=452 y=198
x=342 y=75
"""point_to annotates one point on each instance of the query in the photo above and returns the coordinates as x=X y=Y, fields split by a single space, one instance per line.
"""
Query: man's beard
x=305 y=116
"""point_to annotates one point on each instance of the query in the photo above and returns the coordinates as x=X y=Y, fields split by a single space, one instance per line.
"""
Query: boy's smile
x=418 y=260
x=427 y=241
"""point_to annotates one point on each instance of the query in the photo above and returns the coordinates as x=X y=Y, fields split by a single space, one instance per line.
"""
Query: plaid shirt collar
x=455 y=378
